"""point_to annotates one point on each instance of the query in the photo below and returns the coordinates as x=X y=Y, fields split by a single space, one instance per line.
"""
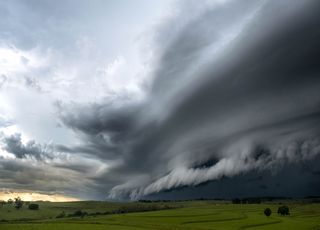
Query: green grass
x=189 y=215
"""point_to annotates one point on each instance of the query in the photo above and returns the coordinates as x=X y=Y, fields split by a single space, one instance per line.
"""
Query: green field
x=181 y=215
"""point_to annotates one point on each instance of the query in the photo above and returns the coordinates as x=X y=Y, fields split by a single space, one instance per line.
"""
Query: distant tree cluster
x=283 y=210
x=2 y=203
x=134 y=207
x=18 y=204
x=251 y=200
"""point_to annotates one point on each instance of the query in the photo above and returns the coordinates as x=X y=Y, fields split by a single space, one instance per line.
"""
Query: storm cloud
x=218 y=101
x=13 y=144
x=232 y=88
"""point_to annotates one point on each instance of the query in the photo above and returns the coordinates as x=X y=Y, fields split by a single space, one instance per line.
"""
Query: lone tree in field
x=283 y=210
x=267 y=211
x=18 y=203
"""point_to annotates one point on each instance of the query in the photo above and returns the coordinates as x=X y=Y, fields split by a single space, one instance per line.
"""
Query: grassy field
x=182 y=215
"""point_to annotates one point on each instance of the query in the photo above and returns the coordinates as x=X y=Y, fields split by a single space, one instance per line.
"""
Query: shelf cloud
x=231 y=88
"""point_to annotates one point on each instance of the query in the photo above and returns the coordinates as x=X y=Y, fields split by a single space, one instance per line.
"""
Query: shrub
x=267 y=211
x=33 y=206
x=61 y=215
x=78 y=213
x=283 y=210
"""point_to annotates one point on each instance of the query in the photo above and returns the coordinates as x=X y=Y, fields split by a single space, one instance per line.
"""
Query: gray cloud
x=46 y=168
x=38 y=176
x=216 y=100
x=13 y=144
x=32 y=83
x=234 y=91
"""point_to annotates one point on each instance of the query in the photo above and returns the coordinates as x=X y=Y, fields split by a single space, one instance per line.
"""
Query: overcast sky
x=132 y=99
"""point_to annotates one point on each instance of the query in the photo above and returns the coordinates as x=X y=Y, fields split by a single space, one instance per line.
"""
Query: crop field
x=168 y=215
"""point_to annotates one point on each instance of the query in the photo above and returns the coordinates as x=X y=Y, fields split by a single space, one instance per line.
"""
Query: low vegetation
x=33 y=206
x=204 y=214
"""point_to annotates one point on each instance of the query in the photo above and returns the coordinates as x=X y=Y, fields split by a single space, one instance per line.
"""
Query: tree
x=10 y=201
x=33 y=206
x=2 y=203
x=267 y=211
x=18 y=203
x=283 y=210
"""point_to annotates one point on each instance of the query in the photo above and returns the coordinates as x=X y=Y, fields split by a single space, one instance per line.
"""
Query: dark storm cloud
x=105 y=135
x=13 y=144
x=291 y=180
x=184 y=44
x=238 y=86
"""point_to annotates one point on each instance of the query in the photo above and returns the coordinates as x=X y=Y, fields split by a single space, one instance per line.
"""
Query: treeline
x=313 y=199
x=18 y=203
x=257 y=200
x=186 y=200
x=246 y=200
x=121 y=210
x=250 y=200
x=159 y=201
